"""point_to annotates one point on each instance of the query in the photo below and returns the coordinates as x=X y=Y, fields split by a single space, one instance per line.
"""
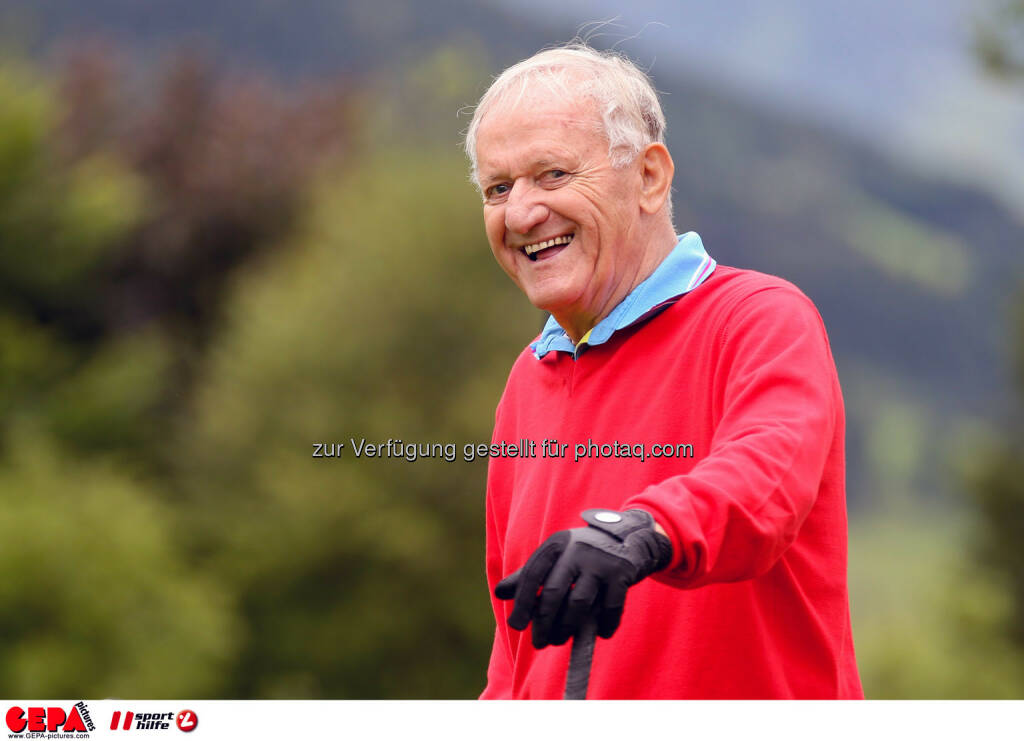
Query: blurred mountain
x=912 y=274
x=899 y=75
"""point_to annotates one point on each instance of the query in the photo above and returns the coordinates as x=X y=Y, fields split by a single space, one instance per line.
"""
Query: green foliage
x=168 y=540
x=996 y=481
x=95 y=598
x=931 y=619
x=58 y=223
x=112 y=400
x=927 y=623
x=999 y=490
x=114 y=250
x=388 y=319
x=32 y=360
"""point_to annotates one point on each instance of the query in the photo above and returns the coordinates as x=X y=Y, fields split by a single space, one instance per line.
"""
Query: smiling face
x=561 y=220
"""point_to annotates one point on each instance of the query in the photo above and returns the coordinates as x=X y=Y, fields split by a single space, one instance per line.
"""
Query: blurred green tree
x=387 y=319
x=121 y=219
x=996 y=477
x=199 y=285
x=94 y=597
x=996 y=480
x=122 y=216
x=96 y=600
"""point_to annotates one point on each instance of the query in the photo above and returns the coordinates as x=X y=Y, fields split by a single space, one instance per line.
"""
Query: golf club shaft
x=582 y=654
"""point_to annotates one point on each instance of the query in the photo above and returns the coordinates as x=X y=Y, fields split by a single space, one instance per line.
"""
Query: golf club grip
x=578 y=678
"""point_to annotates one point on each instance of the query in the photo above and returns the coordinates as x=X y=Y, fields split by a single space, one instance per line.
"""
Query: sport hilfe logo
x=185 y=720
x=36 y=719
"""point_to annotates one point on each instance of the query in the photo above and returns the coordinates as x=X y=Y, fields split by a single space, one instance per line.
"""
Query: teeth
x=532 y=249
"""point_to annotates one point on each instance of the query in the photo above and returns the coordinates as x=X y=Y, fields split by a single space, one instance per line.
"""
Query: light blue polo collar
x=686 y=267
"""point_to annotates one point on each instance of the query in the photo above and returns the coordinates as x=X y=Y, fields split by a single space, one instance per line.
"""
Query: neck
x=576 y=325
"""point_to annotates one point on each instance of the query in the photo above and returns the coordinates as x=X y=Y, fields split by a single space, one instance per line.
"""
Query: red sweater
x=754 y=604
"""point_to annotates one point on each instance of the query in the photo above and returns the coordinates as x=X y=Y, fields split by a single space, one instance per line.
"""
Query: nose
x=524 y=210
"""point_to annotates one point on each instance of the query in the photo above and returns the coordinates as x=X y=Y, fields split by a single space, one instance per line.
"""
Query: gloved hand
x=584 y=571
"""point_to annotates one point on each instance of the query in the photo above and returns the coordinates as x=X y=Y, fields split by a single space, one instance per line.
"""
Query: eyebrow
x=542 y=163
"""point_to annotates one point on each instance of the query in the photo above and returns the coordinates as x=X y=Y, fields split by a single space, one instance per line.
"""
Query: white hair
x=631 y=115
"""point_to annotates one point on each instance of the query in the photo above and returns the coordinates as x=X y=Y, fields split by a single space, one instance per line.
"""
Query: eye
x=554 y=176
x=497 y=192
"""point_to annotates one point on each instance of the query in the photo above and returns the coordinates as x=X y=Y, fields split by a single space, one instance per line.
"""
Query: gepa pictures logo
x=36 y=720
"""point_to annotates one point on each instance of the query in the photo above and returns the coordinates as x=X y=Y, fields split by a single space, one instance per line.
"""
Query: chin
x=548 y=301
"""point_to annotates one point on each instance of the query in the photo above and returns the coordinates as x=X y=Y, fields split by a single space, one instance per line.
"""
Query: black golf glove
x=584 y=571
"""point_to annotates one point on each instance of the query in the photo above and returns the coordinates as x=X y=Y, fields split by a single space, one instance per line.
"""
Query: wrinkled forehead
x=539 y=118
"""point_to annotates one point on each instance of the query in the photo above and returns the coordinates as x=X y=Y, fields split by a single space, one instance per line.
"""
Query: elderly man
x=690 y=412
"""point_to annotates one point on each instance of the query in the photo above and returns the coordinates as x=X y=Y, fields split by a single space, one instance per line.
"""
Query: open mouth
x=532 y=250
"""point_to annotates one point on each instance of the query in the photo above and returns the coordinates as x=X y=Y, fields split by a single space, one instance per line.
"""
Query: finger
x=532 y=575
x=557 y=636
x=579 y=607
x=506 y=588
x=552 y=601
x=610 y=613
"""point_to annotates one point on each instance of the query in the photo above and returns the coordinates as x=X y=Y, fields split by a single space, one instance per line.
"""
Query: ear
x=657 y=171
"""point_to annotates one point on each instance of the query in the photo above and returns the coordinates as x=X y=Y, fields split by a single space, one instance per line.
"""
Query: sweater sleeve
x=733 y=515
